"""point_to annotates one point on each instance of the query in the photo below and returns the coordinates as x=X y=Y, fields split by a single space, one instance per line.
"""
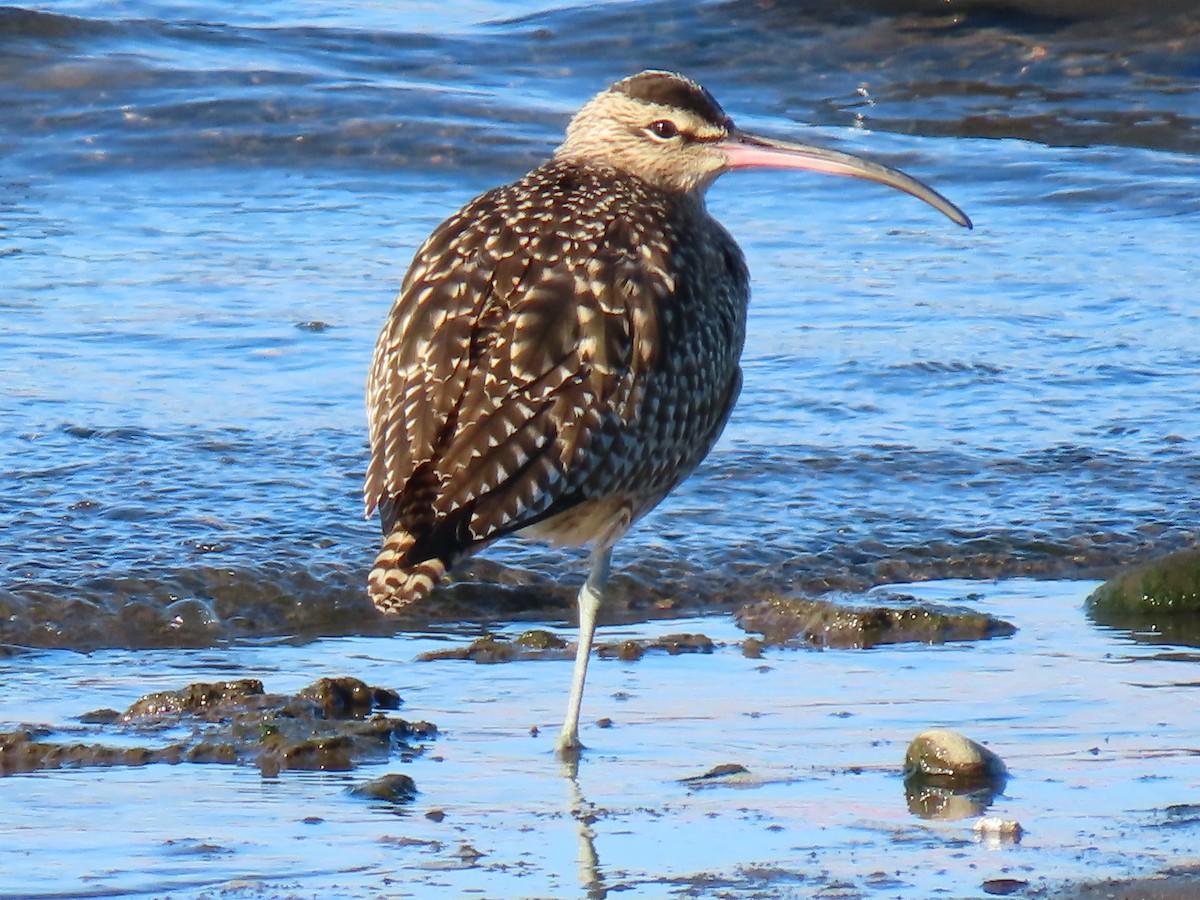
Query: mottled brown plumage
x=564 y=350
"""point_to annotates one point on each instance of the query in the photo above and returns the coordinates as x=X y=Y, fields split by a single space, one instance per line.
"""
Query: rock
x=1002 y=887
x=209 y=700
x=345 y=697
x=629 y=650
x=330 y=725
x=948 y=777
x=100 y=717
x=540 y=639
x=725 y=773
x=392 y=788
x=943 y=754
x=823 y=623
x=539 y=644
x=533 y=644
x=673 y=644
x=995 y=831
x=1163 y=595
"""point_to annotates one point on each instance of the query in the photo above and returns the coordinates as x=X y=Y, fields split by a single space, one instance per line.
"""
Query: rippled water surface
x=1097 y=732
x=206 y=209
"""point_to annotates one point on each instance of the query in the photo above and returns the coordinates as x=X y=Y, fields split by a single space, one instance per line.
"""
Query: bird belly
x=600 y=522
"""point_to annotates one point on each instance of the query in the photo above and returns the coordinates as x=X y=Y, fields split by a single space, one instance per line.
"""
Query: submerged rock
x=824 y=623
x=540 y=639
x=492 y=649
x=539 y=644
x=1162 y=595
x=1002 y=887
x=673 y=644
x=720 y=774
x=329 y=725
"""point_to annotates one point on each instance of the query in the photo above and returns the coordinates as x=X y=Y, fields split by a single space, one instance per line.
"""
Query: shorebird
x=565 y=349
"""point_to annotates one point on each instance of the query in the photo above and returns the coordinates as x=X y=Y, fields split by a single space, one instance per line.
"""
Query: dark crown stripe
x=674 y=91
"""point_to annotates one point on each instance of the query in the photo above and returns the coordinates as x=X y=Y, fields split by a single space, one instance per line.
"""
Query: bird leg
x=590 y=597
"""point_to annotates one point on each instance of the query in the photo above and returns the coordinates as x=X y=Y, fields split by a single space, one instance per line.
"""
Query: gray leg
x=590 y=597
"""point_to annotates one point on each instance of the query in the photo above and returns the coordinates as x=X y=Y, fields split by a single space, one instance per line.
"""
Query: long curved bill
x=745 y=151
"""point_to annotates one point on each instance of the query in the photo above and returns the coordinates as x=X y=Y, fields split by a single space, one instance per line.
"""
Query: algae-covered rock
x=346 y=697
x=331 y=725
x=539 y=644
x=1162 y=595
x=204 y=699
x=672 y=644
x=824 y=623
x=493 y=649
x=540 y=639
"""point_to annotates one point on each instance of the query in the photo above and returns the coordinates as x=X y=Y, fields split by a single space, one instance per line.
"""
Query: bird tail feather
x=395 y=583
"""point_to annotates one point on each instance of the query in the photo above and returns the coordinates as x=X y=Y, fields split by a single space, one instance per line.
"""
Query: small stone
x=995 y=830
x=435 y=815
x=675 y=644
x=539 y=639
x=100 y=717
x=604 y=722
x=725 y=772
x=1002 y=887
x=393 y=788
x=948 y=756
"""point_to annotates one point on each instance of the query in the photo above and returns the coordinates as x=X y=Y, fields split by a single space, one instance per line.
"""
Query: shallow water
x=205 y=210
x=1097 y=731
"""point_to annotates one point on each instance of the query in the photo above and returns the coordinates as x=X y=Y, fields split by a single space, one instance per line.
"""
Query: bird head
x=672 y=133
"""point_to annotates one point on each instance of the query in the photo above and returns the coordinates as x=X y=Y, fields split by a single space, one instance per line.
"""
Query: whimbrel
x=564 y=349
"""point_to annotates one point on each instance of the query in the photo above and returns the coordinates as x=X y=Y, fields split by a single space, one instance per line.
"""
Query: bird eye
x=663 y=129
